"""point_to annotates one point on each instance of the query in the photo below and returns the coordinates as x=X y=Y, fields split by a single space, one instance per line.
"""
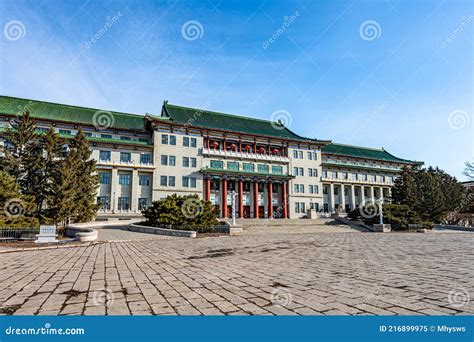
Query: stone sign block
x=47 y=234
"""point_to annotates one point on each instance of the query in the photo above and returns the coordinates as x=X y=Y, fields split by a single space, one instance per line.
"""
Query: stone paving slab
x=335 y=273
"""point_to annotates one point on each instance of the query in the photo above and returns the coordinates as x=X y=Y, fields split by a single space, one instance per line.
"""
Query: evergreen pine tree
x=86 y=177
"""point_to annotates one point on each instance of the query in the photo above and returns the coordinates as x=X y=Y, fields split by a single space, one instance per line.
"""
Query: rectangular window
x=193 y=162
x=325 y=174
x=106 y=136
x=193 y=182
x=125 y=157
x=217 y=164
x=295 y=154
x=185 y=182
x=233 y=166
x=144 y=180
x=301 y=188
x=142 y=203
x=172 y=160
x=334 y=175
x=310 y=189
x=164 y=139
x=261 y=168
x=105 y=155
x=125 y=138
x=171 y=180
x=172 y=139
x=296 y=188
x=164 y=159
x=193 y=142
x=301 y=171
x=88 y=134
x=104 y=177
x=186 y=161
x=278 y=170
x=303 y=209
x=123 y=203
x=316 y=189
x=124 y=179
x=325 y=190
x=295 y=171
x=300 y=154
x=248 y=167
x=297 y=207
x=145 y=158
x=185 y=141
x=103 y=202
x=65 y=132
x=163 y=180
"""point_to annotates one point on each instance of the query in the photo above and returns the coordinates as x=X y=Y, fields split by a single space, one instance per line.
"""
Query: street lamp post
x=380 y=202
x=233 y=194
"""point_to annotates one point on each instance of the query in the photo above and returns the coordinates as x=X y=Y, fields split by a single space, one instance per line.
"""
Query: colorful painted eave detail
x=365 y=153
x=210 y=170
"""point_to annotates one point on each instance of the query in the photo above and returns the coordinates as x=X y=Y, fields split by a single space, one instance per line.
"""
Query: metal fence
x=18 y=234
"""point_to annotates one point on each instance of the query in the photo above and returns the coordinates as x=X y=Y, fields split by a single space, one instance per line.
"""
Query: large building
x=272 y=171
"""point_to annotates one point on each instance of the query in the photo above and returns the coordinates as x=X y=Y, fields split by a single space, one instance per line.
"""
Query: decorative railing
x=361 y=164
x=357 y=181
x=124 y=163
x=244 y=155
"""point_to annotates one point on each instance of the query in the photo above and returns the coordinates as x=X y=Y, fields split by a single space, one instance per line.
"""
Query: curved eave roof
x=67 y=113
x=365 y=152
x=194 y=117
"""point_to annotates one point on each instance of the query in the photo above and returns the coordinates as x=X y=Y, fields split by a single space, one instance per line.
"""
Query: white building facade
x=273 y=172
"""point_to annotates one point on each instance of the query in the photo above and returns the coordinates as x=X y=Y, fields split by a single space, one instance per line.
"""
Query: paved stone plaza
x=333 y=271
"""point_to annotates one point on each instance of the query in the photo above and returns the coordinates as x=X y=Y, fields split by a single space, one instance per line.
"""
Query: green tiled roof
x=195 y=117
x=66 y=113
x=364 y=152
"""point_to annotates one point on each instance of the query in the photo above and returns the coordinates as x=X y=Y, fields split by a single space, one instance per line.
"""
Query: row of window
x=124 y=179
x=89 y=134
x=346 y=191
x=357 y=176
x=312 y=155
x=299 y=189
x=123 y=203
x=247 y=167
x=299 y=171
x=186 y=182
x=171 y=161
x=125 y=157
x=169 y=139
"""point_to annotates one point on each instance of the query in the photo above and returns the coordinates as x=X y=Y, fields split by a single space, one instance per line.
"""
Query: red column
x=283 y=200
x=255 y=147
x=208 y=142
x=270 y=200
x=255 y=199
x=224 y=197
x=241 y=204
x=207 y=189
x=269 y=149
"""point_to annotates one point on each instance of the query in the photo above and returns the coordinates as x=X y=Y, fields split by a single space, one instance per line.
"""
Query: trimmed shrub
x=181 y=212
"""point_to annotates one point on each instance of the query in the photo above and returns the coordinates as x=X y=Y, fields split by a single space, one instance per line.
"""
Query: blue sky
x=392 y=74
